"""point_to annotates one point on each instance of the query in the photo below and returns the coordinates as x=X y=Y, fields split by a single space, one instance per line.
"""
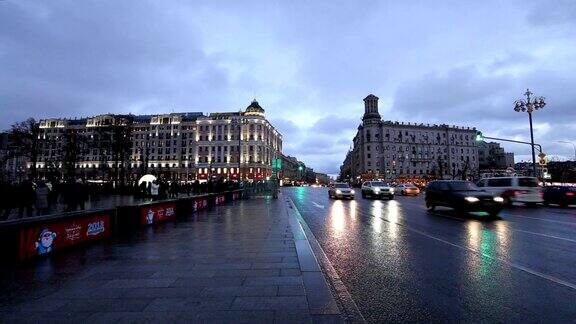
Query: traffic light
x=479 y=137
x=542 y=159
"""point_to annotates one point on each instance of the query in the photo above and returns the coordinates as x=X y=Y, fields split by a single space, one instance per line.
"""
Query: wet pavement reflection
x=403 y=263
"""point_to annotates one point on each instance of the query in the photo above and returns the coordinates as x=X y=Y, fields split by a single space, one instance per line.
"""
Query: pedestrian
x=154 y=189
x=25 y=196
x=143 y=190
x=7 y=198
x=42 y=192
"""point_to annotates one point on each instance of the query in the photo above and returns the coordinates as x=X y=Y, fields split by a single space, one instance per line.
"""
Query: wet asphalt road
x=402 y=263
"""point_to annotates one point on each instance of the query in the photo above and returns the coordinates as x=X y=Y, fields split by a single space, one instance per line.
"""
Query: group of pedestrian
x=160 y=189
x=27 y=198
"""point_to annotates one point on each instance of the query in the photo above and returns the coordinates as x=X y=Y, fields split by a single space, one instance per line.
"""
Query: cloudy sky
x=309 y=64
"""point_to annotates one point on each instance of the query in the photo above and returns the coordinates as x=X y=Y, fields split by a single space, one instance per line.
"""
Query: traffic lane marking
x=512 y=264
x=508 y=221
x=542 y=219
x=478 y=252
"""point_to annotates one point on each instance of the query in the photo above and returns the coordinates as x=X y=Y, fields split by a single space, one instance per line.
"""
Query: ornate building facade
x=399 y=150
x=177 y=146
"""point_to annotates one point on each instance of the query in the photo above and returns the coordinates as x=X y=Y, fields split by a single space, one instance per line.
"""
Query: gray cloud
x=308 y=63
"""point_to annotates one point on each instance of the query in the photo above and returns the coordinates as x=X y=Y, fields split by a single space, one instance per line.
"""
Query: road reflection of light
x=300 y=194
x=337 y=217
x=377 y=219
x=503 y=238
x=484 y=241
x=392 y=215
x=353 y=209
x=474 y=229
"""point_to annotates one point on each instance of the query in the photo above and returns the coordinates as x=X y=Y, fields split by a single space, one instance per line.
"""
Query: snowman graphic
x=150 y=217
x=45 y=242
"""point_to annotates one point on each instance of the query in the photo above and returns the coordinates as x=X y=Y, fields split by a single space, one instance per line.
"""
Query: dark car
x=463 y=196
x=561 y=195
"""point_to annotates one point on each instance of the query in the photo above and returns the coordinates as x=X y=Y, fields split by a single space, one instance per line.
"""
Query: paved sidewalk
x=247 y=261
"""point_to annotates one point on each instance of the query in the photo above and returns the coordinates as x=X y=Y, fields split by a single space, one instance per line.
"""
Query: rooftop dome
x=254 y=109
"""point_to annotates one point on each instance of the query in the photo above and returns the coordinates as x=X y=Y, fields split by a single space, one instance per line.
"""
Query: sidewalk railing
x=27 y=238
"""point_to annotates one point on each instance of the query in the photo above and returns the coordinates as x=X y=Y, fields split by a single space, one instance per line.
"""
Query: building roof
x=254 y=107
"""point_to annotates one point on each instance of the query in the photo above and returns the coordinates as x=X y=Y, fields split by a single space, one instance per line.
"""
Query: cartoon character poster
x=46 y=238
x=151 y=214
x=45 y=241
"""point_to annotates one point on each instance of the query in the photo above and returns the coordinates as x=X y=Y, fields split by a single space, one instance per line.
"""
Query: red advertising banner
x=200 y=203
x=151 y=214
x=45 y=238
x=220 y=199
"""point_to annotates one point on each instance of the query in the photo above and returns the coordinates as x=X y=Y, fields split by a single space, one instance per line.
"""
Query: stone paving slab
x=237 y=263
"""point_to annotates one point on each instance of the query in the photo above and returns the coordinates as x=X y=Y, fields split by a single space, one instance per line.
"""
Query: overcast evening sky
x=308 y=63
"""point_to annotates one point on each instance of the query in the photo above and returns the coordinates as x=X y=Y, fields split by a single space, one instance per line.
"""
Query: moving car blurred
x=514 y=189
x=462 y=196
x=408 y=189
x=561 y=195
x=341 y=190
x=377 y=189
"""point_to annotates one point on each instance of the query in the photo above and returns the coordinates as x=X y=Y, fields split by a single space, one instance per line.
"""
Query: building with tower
x=177 y=146
x=404 y=151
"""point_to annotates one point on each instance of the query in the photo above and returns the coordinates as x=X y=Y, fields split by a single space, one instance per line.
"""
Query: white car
x=514 y=189
x=340 y=190
x=377 y=189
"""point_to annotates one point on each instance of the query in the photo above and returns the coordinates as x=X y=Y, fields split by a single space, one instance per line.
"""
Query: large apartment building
x=392 y=150
x=177 y=146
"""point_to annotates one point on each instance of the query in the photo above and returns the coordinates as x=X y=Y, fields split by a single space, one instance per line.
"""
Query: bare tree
x=75 y=146
x=25 y=140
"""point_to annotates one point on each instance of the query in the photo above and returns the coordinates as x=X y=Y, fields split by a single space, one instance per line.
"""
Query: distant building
x=322 y=178
x=492 y=156
x=177 y=146
x=510 y=160
x=310 y=176
x=293 y=171
x=407 y=151
x=12 y=167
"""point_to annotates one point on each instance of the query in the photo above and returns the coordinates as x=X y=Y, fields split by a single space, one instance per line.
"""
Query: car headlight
x=499 y=199
x=338 y=191
x=392 y=190
x=376 y=189
x=352 y=191
x=471 y=199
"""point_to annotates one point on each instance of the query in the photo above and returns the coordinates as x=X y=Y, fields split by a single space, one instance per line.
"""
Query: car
x=462 y=196
x=514 y=189
x=377 y=189
x=341 y=190
x=407 y=189
x=561 y=195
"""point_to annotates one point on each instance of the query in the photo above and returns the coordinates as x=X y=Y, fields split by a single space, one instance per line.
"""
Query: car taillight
x=569 y=194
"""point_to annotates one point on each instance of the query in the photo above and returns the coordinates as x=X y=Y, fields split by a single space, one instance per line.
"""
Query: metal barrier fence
x=267 y=188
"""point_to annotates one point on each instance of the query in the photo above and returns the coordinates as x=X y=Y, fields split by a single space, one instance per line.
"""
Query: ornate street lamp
x=529 y=105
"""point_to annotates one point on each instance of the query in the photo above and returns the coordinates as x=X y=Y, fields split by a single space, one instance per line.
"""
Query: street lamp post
x=529 y=105
x=573 y=145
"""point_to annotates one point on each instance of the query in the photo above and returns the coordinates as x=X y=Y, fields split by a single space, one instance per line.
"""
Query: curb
x=325 y=291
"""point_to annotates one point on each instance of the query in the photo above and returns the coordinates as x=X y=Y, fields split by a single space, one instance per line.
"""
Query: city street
x=400 y=262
